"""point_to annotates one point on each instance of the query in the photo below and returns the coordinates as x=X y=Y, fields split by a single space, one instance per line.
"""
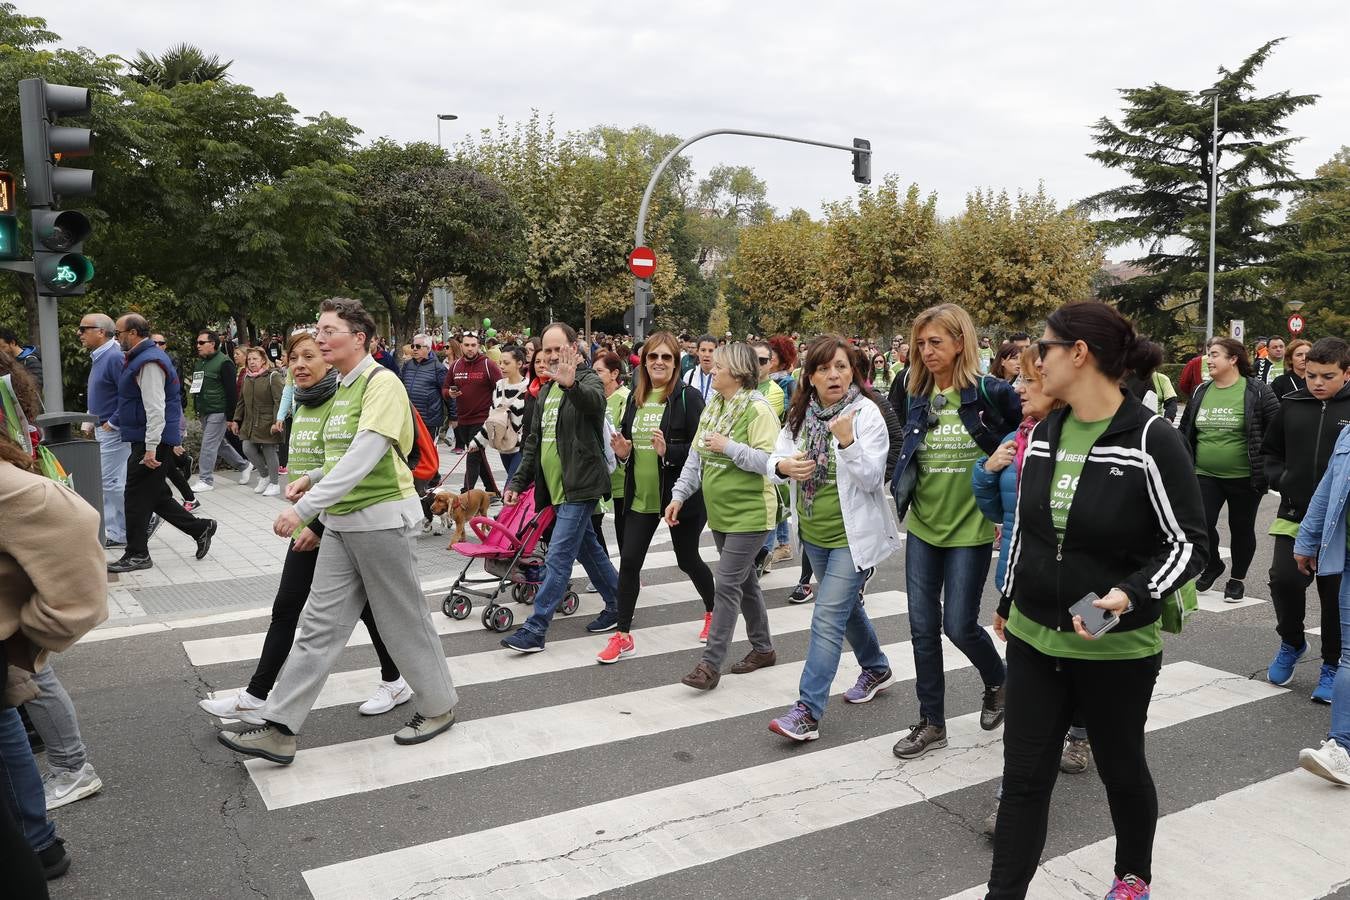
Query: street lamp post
x=443 y=117
x=1213 y=207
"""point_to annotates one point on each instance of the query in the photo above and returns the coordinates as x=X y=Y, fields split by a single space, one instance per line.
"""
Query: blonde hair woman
x=956 y=415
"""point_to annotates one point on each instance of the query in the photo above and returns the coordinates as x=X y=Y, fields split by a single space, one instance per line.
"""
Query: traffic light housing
x=59 y=265
x=9 y=223
x=862 y=161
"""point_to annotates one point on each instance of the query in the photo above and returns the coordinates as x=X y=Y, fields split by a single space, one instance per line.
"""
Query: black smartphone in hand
x=1096 y=621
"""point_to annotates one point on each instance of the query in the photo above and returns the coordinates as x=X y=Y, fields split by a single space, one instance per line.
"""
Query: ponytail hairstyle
x=1237 y=351
x=1116 y=349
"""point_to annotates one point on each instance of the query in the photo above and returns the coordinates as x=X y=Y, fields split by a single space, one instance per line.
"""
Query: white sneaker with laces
x=262 y=486
x=62 y=786
x=242 y=706
x=1330 y=761
x=387 y=695
x=273 y=490
x=200 y=487
x=246 y=474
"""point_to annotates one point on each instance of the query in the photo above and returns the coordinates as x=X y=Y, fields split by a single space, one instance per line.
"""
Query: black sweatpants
x=148 y=492
x=620 y=511
x=477 y=463
x=1042 y=695
x=297 y=574
x=1243 y=502
x=179 y=474
x=639 y=528
x=1289 y=594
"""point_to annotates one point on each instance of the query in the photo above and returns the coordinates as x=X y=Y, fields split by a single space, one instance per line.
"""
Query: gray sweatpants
x=354 y=567
x=264 y=459
x=737 y=592
x=53 y=717
x=213 y=444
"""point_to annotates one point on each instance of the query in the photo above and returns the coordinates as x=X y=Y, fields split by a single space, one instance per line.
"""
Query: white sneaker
x=64 y=786
x=201 y=487
x=387 y=695
x=242 y=706
x=1330 y=761
x=246 y=474
x=273 y=489
x=262 y=485
x=591 y=588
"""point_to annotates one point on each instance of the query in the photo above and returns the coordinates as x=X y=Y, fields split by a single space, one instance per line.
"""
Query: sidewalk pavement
x=244 y=566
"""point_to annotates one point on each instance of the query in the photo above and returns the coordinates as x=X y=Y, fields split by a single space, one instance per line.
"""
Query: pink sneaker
x=619 y=646
x=707 y=623
x=1131 y=887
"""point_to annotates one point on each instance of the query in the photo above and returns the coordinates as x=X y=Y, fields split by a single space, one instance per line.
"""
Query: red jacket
x=475 y=380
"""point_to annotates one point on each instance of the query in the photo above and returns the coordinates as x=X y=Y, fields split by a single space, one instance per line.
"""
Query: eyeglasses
x=936 y=405
x=1042 y=346
x=203 y=343
x=83 y=328
x=660 y=357
x=329 y=332
x=161 y=343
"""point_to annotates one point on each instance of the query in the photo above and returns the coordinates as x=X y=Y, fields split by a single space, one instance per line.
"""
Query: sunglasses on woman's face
x=660 y=357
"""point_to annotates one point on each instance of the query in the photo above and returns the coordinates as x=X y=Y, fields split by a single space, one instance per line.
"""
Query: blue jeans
x=778 y=537
x=112 y=454
x=573 y=541
x=944 y=585
x=512 y=462
x=838 y=615
x=1340 y=691
x=20 y=782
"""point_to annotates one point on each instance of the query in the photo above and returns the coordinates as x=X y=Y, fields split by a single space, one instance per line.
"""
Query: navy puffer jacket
x=423 y=383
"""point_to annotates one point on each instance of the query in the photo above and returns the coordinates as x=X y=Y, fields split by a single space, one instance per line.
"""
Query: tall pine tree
x=1163 y=144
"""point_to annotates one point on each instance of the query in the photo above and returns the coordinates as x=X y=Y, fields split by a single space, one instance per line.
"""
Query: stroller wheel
x=570 y=602
x=487 y=615
x=524 y=593
x=459 y=606
x=502 y=617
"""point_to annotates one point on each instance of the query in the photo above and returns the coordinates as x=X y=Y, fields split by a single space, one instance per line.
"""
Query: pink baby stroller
x=512 y=554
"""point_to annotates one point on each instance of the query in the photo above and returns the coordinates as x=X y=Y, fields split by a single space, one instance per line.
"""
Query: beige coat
x=53 y=573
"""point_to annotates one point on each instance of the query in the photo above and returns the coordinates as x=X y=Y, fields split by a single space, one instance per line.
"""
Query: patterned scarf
x=814 y=441
x=721 y=414
x=318 y=393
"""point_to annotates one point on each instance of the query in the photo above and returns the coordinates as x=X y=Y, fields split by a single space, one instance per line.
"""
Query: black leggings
x=1289 y=596
x=477 y=462
x=1243 y=503
x=638 y=532
x=620 y=513
x=178 y=475
x=1043 y=694
x=297 y=574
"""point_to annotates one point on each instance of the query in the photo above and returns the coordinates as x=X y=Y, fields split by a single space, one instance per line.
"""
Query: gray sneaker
x=868 y=685
x=921 y=738
x=991 y=709
x=266 y=742
x=420 y=728
x=1076 y=757
x=62 y=786
x=991 y=823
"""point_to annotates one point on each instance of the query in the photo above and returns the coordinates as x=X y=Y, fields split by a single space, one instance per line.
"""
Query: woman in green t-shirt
x=315 y=384
x=1224 y=425
x=609 y=367
x=730 y=456
x=655 y=432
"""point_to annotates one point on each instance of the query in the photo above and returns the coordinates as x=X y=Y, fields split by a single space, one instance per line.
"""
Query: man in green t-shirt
x=564 y=459
x=363 y=493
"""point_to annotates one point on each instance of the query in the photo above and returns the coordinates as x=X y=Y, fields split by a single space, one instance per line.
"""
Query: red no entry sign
x=1295 y=324
x=642 y=262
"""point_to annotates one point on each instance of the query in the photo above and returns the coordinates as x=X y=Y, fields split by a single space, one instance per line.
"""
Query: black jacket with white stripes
x=1136 y=523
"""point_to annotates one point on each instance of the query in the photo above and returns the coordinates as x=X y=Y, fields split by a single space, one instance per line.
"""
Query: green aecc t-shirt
x=944 y=512
x=1221 y=435
x=646 y=463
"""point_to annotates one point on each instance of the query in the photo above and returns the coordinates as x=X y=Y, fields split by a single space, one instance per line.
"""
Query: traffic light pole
x=642 y=287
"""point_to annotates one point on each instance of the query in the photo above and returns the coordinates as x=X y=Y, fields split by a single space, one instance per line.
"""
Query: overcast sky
x=953 y=96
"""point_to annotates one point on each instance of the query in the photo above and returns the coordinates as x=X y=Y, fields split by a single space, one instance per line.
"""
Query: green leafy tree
x=777 y=269
x=421 y=218
x=180 y=64
x=1162 y=143
x=1314 y=267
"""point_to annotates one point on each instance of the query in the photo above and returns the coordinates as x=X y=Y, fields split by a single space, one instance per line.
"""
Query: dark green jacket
x=581 y=429
x=218 y=385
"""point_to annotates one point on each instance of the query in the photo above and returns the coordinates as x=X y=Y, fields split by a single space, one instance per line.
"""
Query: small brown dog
x=461 y=507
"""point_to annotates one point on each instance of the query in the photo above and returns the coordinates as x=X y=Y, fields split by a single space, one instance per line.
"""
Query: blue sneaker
x=1281 y=671
x=523 y=641
x=606 y=621
x=1325 y=682
x=798 y=724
